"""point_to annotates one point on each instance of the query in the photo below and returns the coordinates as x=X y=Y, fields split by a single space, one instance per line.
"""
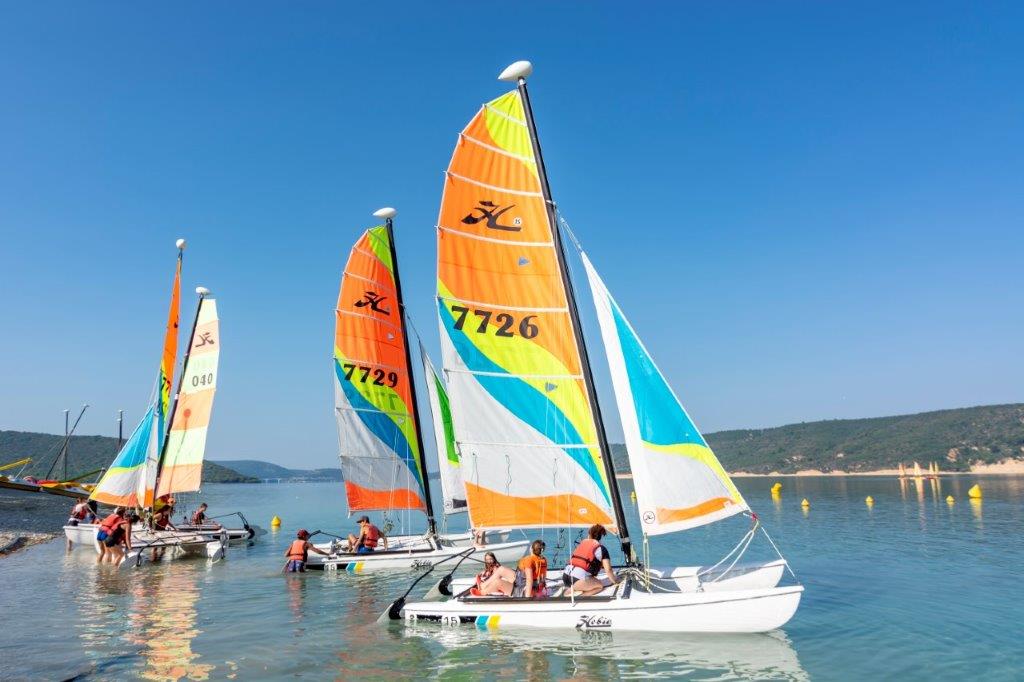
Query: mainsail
x=525 y=429
x=678 y=480
x=375 y=412
x=181 y=467
x=130 y=479
x=452 y=489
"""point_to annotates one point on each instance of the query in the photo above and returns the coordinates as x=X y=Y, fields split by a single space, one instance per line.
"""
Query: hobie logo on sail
x=375 y=301
x=490 y=211
x=588 y=622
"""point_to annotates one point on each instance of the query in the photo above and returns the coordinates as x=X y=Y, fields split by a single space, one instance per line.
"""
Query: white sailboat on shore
x=383 y=459
x=527 y=421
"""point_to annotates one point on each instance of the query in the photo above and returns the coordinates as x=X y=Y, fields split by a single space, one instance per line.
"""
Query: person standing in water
x=298 y=552
x=119 y=540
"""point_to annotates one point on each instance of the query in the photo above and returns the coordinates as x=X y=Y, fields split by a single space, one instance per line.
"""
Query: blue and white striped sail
x=679 y=482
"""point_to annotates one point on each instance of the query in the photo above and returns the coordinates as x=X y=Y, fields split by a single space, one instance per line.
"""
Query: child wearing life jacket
x=119 y=539
x=587 y=560
x=532 y=574
x=298 y=552
x=368 y=539
x=494 y=579
x=106 y=528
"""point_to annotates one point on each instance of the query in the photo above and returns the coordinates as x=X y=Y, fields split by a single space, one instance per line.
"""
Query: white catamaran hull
x=417 y=557
x=737 y=611
x=84 y=534
x=460 y=540
x=175 y=546
x=746 y=576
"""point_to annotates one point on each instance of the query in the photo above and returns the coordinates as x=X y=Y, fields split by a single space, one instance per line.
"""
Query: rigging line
x=788 y=567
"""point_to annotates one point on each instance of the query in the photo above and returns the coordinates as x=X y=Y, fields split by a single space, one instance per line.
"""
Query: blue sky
x=808 y=210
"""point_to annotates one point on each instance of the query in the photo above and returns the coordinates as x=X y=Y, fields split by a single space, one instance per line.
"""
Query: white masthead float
x=527 y=420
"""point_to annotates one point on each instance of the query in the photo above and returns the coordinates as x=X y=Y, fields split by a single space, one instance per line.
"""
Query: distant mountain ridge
x=87 y=453
x=270 y=471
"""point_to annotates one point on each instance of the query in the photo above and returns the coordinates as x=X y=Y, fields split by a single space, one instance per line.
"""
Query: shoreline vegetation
x=1008 y=467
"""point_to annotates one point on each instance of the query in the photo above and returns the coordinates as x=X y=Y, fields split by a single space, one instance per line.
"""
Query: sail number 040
x=503 y=321
x=379 y=376
x=202 y=380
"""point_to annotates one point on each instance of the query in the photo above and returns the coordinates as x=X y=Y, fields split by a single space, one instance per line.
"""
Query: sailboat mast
x=203 y=293
x=588 y=377
x=431 y=523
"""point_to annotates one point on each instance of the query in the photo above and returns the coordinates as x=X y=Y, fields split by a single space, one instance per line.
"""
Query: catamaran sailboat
x=381 y=446
x=527 y=421
x=164 y=454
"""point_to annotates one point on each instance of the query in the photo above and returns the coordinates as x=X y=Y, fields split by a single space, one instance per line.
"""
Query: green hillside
x=953 y=438
x=269 y=470
x=87 y=453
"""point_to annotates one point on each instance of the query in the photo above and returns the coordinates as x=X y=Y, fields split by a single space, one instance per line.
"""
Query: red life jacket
x=108 y=524
x=80 y=511
x=372 y=536
x=298 y=551
x=199 y=518
x=585 y=556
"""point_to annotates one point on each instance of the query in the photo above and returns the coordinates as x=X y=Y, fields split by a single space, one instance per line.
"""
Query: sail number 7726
x=504 y=322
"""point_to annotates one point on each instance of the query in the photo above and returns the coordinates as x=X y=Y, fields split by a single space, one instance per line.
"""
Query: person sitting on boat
x=199 y=517
x=587 y=560
x=532 y=574
x=298 y=552
x=119 y=539
x=494 y=579
x=368 y=539
x=164 y=501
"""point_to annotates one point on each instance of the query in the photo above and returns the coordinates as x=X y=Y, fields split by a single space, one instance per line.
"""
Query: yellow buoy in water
x=805 y=504
x=975 y=492
x=777 y=487
x=869 y=500
x=275 y=522
x=949 y=499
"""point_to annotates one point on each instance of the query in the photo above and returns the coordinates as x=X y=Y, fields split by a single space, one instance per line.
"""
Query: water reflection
x=597 y=655
x=162 y=618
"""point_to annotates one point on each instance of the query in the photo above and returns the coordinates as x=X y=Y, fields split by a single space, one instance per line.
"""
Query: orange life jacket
x=108 y=524
x=372 y=536
x=298 y=551
x=539 y=565
x=585 y=556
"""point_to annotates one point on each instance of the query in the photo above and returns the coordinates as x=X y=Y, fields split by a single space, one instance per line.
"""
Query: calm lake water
x=912 y=588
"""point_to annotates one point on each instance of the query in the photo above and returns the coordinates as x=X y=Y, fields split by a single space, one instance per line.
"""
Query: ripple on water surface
x=910 y=587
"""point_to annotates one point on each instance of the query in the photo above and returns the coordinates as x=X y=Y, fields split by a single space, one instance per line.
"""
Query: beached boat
x=528 y=423
x=164 y=454
x=381 y=449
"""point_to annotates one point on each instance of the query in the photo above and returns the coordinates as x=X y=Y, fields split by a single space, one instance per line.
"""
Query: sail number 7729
x=504 y=322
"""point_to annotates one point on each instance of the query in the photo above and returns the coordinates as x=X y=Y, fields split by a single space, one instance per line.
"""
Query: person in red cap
x=368 y=539
x=298 y=552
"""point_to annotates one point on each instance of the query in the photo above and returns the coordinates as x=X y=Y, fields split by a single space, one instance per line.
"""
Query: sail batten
x=523 y=423
x=374 y=408
x=679 y=482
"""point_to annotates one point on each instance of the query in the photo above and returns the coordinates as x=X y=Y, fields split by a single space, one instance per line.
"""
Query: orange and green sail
x=131 y=477
x=526 y=433
x=376 y=416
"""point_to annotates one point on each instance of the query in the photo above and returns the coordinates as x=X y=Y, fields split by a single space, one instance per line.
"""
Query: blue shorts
x=296 y=566
x=362 y=549
x=101 y=536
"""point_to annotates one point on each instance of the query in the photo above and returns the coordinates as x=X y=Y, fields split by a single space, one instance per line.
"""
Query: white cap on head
x=515 y=71
x=386 y=213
